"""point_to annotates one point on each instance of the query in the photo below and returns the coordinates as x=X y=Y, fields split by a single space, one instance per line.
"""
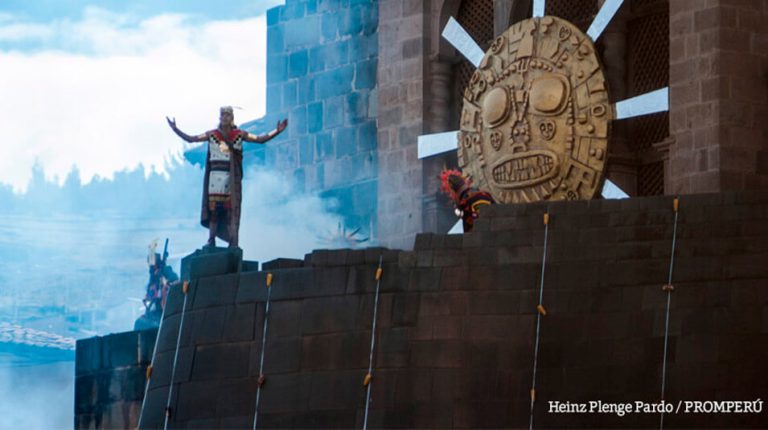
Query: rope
x=540 y=312
x=668 y=288
x=149 y=368
x=369 y=375
x=263 y=347
x=185 y=290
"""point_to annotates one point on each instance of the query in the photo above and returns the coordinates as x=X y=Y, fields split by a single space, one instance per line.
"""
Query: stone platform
x=457 y=323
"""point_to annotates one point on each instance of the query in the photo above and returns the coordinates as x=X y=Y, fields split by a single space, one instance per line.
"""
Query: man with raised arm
x=222 y=185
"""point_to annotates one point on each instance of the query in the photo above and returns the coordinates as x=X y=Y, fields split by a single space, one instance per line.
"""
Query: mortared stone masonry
x=457 y=324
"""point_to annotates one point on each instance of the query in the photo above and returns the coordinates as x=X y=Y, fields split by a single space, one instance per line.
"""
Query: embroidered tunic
x=223 y=180
x=218 y=177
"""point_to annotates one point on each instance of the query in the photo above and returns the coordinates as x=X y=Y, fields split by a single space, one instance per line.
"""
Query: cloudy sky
x=88 y=84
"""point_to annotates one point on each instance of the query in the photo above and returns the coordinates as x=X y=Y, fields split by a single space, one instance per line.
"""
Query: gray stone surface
x=455 y=342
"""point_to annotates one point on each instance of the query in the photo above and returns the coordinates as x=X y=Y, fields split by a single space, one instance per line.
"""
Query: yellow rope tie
x=149 y=371
x=185 y=287
x=541 y=310
x=668 y=288
x=269 y=280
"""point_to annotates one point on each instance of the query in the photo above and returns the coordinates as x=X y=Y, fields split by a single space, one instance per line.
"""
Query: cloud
x=94 y=92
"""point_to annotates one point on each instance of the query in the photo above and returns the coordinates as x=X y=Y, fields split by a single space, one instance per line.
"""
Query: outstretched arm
x=199 y=138
x=262 y=138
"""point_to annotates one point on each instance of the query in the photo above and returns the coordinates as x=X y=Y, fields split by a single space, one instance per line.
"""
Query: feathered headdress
x=452 y=182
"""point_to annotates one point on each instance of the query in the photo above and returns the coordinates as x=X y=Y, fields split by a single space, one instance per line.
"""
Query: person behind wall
x=160 y=276
x=222 y=184
x=467 y=200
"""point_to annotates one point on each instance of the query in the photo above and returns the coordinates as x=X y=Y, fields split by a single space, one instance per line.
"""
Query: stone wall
x=321 y=75
x=110 y=376
x=402 y=37
x=457 y=323
x=718 y=96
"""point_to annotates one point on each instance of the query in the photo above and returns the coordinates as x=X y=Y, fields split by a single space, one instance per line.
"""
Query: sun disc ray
x=644 y=104
x=612 y=191
x=603 y=18
x=455 y=34
x=438 y=143
x=457 y=228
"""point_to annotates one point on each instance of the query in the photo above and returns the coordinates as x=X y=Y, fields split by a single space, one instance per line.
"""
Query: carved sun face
x=536 y=117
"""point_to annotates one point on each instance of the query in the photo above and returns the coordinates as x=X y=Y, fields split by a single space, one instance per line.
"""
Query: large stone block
x=306 y=91
x=222 y=361
x=356 y=107
x=298 y=63
x=346 y=143
x=351 y=21
x=204 y=326
x=297 y=121
x=330 y=26
x=334 y=82
x=336 y=54
x=120 y=349
x=336 y=390
x=304 y=32
x=367 y=139
x=88 y=355
x=329 y=314
x=285 y=393
x=211 y=262
x=299 y=175
x=314 y=117
x=275 y=40
x=239 y=323
x=363 y=47
x=333 y=114
x=427 y=279
x=147 y=339
x=273 y=16
x=196 y=400
x=295 y=283
x=365 y=74
x=282 y=354
x=253 y=287
x=162 y=368
x=285 y=318
x=293 y=10
x=335 y=351
x=274 y=97
x=277 y=68
x=215 y=291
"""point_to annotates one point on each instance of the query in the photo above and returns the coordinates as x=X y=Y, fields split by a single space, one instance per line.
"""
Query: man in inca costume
x=224 y=174
x=466 y=199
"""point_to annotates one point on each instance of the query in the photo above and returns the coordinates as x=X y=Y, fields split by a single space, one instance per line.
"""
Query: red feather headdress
x=452 y=182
